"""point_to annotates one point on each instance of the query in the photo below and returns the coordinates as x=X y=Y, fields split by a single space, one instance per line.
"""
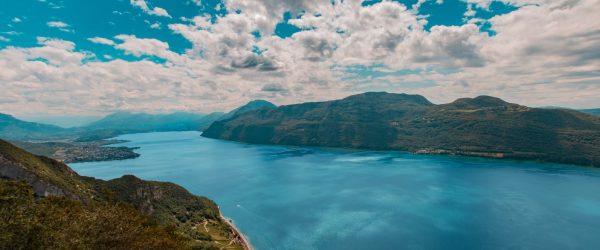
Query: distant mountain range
x=595 y=112
x=179 y=121
x=126 y=122
x=482 y=126
x=12 y=128
x=50 y=206
x=118 y=123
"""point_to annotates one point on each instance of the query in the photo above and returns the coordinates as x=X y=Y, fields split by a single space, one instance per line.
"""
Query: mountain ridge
x=481 y=126
x=13 y=128
x=252 y=105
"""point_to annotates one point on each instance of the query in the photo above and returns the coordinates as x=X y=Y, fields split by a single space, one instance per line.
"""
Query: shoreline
x=245 y=243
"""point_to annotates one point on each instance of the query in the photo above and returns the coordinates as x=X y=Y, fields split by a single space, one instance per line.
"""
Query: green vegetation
x=483 y=126
x=50 y=206
x=29 y=222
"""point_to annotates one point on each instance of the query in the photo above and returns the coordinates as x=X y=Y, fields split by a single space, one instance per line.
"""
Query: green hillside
x=46 y=205
x=483 y=126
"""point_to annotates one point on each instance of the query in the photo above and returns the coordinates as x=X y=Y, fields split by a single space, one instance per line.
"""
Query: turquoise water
x=309 y=198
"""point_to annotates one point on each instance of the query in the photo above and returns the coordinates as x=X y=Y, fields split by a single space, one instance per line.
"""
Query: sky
x=87 y=58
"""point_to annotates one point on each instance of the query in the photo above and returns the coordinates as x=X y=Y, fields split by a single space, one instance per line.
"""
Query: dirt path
x=205 y=223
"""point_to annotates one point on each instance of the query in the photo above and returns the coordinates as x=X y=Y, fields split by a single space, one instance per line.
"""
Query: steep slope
x=482 y=126
x=12 y=128
x=166 y=203
x=54 y=222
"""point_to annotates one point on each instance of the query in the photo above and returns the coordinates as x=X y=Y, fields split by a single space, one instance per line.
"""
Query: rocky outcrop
x=16 y=171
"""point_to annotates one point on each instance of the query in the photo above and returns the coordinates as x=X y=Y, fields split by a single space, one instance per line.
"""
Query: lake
x=316 y=198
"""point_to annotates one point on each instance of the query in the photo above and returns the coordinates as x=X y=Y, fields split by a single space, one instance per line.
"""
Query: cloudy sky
x=95 y=57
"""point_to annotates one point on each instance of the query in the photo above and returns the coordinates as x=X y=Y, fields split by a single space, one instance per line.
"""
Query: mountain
x=51 y=206
x=64 y=121
x=252 y=105
x=595 y=112
x=179 y=121
x=12 y=128
x=482 y=126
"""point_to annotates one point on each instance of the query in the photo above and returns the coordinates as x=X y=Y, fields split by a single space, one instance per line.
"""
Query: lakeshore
x=321 y=198
x=244 y=241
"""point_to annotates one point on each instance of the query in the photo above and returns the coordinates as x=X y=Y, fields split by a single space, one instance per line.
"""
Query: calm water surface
x=308 y=198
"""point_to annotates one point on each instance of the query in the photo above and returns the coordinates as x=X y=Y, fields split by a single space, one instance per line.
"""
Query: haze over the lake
x=72 y=57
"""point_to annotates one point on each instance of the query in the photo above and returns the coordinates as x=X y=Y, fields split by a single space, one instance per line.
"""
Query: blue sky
x=114 y=17
x=84 y=58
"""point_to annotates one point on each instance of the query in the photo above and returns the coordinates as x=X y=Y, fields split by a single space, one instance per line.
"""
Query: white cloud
x=485 y=4
x=545 y=54
x=155 y=26
x=16 y=20
x=157 y=11
x=12 y=33
x=101 y=40
x=57 y=24
x=146 y=46
x=66 y=85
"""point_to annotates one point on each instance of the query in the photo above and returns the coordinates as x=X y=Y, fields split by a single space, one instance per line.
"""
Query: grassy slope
x=166 y=203
x=30 y=222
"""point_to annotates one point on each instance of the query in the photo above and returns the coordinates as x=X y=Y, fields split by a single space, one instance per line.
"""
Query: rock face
x=482 y=126
x=15 y=171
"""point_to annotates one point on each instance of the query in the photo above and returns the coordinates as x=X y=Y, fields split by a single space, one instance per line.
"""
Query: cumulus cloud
x=156 y=11
x=541 y=54
x=59 y=25
x=101 y=40
x=147 y=46
x=52 y=77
